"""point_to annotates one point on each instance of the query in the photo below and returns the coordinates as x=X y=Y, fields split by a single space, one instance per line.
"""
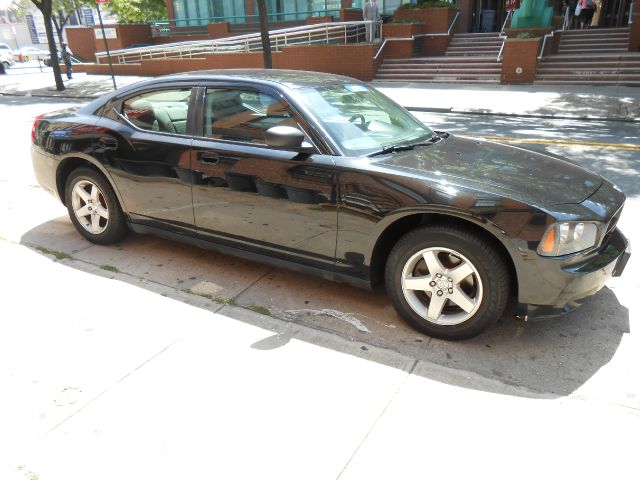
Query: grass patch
x=55 y=253
x=222 y=300
x=260 y=309
x=109 y=268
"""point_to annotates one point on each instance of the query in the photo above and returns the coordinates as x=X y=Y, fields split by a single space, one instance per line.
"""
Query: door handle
x=108 y=143
x=210 y=158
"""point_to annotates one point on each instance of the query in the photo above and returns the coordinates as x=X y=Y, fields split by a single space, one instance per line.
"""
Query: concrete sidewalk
x=588 y=102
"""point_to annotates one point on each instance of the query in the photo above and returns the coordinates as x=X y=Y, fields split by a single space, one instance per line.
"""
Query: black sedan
x=324 y=174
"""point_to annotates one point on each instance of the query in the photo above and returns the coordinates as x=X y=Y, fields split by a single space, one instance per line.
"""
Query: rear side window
x=159 y=111
x=243 y=115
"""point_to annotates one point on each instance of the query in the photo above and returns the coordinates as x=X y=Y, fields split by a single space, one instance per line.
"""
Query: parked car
x=30 y=53
x=324 y=174
x=4 y=48
x=6 y=59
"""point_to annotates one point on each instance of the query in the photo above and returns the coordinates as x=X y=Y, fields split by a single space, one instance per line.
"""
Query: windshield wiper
x=391 y=149
x=410 y=146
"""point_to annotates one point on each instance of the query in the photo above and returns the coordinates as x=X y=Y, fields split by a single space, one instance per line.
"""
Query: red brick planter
x=520 y=60
x=401 y=30
x=436 y=20
x=400 y=48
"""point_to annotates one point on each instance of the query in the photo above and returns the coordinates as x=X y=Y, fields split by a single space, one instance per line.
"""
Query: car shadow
x=553 y=358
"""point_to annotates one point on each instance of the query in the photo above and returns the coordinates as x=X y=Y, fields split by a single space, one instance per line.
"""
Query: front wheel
x=447 y=282
x=93 y=207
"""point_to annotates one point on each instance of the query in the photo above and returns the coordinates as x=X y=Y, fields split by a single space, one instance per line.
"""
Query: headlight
x=568 y=237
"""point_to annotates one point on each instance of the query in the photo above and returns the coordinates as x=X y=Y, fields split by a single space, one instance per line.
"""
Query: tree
x=64 y=9
x=45 y=7
x=264 y=34
x=138 y=11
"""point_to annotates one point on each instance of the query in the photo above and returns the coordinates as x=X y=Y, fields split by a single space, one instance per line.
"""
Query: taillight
x=35 y=125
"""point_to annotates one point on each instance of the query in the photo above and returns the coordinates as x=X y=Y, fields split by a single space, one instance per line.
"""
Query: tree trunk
x=45 y=7
x=264 y=34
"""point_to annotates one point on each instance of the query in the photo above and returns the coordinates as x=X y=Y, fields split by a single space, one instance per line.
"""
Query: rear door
x=274 y=202
x=147 y=148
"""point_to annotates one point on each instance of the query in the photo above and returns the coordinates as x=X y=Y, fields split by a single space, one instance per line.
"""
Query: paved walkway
x=589 y=102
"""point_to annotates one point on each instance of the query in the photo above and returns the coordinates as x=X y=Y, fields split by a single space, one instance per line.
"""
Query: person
x=570 y=14
x=587 y=9
x=66 y=58
x=370 y=12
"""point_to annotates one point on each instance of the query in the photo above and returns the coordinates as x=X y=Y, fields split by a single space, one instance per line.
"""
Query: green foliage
x=426 y=4
x=138 y=11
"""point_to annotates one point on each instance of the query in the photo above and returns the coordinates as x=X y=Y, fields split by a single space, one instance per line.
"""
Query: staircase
x=591 y=57
x=470 y=58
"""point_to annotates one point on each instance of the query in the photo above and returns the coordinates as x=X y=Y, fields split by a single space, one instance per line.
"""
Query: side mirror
x=287 y=138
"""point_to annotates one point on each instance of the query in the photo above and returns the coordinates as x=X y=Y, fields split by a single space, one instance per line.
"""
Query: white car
x=30 y=53
x=6 y=59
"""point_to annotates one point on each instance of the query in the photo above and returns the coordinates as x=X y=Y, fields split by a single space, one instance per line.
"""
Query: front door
x=269 y=201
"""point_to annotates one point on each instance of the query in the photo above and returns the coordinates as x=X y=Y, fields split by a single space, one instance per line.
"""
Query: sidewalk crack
x=373 y=425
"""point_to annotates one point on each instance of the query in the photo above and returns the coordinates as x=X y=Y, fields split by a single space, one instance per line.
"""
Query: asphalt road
x=589 y=352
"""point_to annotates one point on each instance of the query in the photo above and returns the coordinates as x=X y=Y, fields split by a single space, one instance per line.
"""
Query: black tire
x=487 y=286
x=107 y=230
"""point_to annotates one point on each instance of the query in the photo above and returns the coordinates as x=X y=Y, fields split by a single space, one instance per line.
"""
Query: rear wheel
x=93 y=207
x=447 y=282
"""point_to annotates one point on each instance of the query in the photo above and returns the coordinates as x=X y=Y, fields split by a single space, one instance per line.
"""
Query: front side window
x=159 y=111
x=243 y=115
x=360 y=119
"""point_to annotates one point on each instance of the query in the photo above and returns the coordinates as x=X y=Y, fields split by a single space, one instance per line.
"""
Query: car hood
x=530 y=177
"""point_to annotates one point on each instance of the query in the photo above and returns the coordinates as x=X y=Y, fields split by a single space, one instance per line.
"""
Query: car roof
x=288 y=78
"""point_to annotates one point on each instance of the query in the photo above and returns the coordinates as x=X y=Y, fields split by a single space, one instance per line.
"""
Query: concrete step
x=617 y=37
x=472 y=48
x=602 y=56
x=477 y=35
x=442 y=80
x=443 y=59
x=475 y=41
x=449 y=71
x=595 y=32
x=577 y=51
x=626 y=83
x=414 y=66
x=595 y=43
x=486 y=53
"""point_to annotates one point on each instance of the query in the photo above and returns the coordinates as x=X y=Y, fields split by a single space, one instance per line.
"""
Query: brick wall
x=218 y=30
x=354 y=61
x=81 y=41
x=520 y=59
x=127 y=35
x=435 y=46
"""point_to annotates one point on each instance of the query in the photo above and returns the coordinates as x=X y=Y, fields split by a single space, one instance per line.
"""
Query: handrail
x=504 y=39
x=448 y=33
x=305 y=34
x=243 y=19
x=413 y=37
x=544 y=43
x=504 y=24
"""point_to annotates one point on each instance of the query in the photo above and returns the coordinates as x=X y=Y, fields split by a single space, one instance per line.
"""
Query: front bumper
x=581 y=279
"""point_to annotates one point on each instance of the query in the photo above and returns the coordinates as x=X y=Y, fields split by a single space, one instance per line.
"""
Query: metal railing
x=504 y=39
x=544 y=43
x=413 y=37
x=321 y=33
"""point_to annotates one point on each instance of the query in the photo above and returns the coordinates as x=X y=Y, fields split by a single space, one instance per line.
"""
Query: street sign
x=102 y=1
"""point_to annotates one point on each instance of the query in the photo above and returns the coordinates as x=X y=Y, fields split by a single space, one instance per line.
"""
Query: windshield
x=362 y=120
